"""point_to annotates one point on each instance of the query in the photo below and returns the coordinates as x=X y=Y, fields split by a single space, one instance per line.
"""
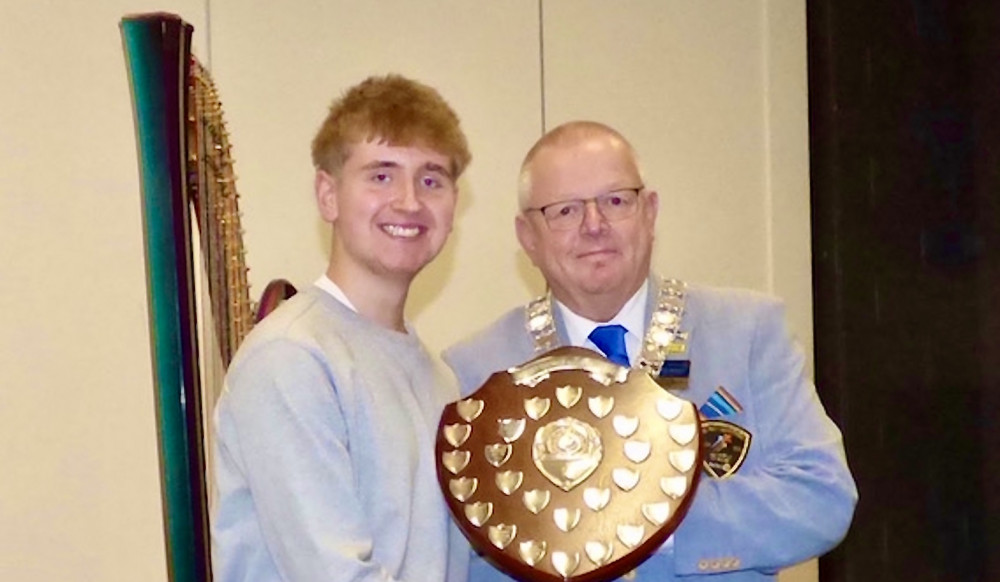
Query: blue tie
x=611 y=340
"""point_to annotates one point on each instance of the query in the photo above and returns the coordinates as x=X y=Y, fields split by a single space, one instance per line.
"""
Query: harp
x=195 y=264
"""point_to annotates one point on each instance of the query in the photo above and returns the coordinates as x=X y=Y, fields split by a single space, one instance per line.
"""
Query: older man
x=325 y=431
x=777 y=488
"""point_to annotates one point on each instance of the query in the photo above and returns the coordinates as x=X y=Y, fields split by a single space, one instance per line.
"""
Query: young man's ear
x=326 y=195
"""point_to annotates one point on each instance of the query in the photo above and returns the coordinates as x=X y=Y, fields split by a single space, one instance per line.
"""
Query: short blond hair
x=394 y=110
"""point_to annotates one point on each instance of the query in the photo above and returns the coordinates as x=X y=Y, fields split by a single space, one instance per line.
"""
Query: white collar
x=326 y=284
x=632 y=316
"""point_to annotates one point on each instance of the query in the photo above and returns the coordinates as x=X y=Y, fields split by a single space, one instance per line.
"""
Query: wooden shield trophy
x=569 y=467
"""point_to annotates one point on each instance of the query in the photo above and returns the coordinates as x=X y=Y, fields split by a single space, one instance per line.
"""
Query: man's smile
x=403 y=231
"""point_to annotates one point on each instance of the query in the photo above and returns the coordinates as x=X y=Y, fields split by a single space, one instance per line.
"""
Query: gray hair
x=568 y=133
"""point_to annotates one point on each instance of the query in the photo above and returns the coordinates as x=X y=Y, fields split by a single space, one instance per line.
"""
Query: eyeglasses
x=613 y=206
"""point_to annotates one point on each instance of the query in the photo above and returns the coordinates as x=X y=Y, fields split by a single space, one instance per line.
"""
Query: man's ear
x=326 y=195
x=652 y=207
x=526 y=235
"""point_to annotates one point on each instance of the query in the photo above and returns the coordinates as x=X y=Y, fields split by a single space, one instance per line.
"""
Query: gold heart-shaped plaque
x=568 y=468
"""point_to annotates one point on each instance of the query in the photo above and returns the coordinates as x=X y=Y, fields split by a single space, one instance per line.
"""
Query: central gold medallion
x=567 y=451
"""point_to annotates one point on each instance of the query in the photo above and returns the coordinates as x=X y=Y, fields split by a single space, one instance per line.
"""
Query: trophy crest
x=568 y=467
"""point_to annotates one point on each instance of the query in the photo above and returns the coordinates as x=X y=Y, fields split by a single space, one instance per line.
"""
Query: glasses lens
x=564 y=215
x=617 y=205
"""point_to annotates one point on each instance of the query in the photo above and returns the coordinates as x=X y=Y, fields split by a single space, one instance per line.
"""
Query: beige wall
x=79 y=483
x=712 y=94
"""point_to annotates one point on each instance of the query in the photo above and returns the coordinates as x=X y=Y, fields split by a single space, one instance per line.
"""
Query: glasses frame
x=548 y=221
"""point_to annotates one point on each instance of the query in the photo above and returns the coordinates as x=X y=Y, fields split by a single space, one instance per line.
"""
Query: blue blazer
x=792 y=499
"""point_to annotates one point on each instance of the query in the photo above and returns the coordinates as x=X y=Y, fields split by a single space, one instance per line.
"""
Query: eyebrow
x=376 y=164
x=431 y=166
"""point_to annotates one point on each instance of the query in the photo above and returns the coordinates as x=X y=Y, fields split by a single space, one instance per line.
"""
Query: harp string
x=212 y=183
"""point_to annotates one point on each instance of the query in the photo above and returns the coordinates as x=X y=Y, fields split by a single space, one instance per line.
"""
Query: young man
x=587 y=222
x=325 y=430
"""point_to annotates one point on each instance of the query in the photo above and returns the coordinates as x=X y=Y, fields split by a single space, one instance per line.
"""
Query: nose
x=406 y=198
x=593 y=220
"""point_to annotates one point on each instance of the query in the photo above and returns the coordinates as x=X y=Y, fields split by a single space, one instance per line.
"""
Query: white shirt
x=326 y=283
